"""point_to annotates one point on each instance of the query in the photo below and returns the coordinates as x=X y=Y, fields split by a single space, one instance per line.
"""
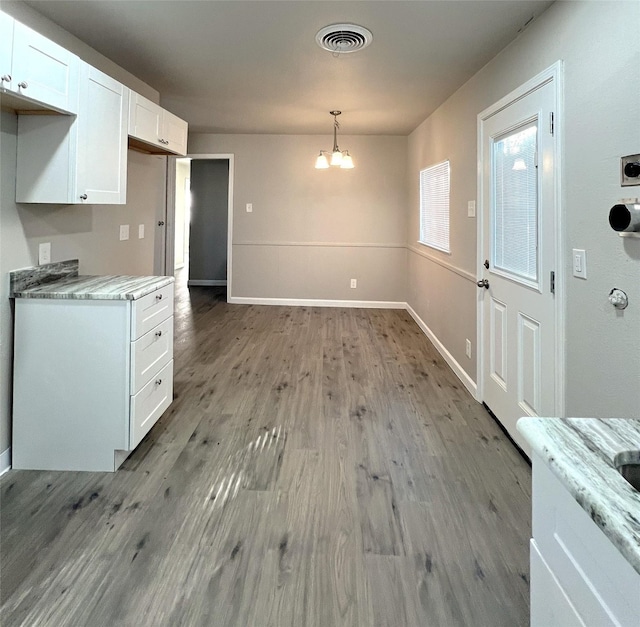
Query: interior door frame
x=169 y=256
x=554 y=75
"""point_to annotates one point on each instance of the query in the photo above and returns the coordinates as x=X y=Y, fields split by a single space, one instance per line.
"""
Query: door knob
x=5 y=78
x=23 y=84
x=161 y=223
x=484 y=283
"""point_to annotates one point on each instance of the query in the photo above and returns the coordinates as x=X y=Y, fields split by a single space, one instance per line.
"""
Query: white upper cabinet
x=102 y=139
x=6 y=49
x=34 y=69
x=77 y=159
x=155 y=129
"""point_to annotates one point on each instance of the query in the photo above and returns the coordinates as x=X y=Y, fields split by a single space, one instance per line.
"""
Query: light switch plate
x=249 y=207
x=471 y=209
x=124 y=232
x=140 y=231
x=579 y=257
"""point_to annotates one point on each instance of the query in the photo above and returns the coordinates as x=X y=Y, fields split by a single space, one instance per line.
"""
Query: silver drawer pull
x=83 y=197
x=158 y=333
x=158 y=381
x=158 y=296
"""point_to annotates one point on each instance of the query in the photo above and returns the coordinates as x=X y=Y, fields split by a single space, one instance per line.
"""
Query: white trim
x=324 y=244
x=555 y=75
x=206 y=282
x=5 y=461
x=312 y=302
x=441 y=262
x=458 y=370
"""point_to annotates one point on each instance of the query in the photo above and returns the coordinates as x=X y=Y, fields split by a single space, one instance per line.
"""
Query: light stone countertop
x=97 y=287
x=581 y=453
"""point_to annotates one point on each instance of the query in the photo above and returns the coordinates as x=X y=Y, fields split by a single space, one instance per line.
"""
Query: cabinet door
x=145 y=120
x=6 y=49
x=102 y=139
x=43 y=71
x=174 y=131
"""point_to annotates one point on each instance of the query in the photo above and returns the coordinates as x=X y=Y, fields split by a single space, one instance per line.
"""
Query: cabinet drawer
x=149 y=404
x=150 y=353
x=150 y=310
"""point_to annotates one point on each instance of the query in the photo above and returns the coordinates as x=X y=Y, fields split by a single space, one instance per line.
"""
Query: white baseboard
x=206 y=282
x=458 y=370
x=312 y=302
x=5 y=461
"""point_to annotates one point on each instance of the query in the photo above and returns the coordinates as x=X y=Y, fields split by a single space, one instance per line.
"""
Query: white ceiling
x=240 y=66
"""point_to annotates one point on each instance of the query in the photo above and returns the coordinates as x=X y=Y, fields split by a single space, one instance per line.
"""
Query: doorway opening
x=200 y=221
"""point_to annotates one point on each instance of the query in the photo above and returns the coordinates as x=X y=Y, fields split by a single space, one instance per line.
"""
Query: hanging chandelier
x=340 y=158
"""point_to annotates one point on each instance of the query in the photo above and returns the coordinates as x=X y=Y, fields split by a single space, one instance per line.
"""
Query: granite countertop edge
x=580 y=452
x=87 y=287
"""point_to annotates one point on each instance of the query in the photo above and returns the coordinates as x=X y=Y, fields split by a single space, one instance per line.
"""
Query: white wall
x=311 y=231
x=183 y=172
x=598 y=43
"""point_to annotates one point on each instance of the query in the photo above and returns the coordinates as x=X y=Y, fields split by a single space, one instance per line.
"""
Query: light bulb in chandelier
x=347 y=161
x=321 y=162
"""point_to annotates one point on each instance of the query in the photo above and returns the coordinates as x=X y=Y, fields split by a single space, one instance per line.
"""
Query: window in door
x=514 y=212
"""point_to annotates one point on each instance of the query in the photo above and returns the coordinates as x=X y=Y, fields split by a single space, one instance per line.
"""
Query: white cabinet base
x=77 y=404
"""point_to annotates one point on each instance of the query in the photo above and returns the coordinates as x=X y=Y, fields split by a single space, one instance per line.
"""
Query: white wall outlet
x=124 y=232
x=471 y=209
x=44 y=253
x=354 y=283
x=249 y=207
x=140 y=231
x=579 y=257
x=467 y=348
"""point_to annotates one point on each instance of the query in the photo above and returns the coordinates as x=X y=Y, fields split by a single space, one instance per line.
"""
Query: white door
x=518 y=248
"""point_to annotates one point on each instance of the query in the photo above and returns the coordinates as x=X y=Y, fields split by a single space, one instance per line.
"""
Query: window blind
x=434 y=206
x=515 y=209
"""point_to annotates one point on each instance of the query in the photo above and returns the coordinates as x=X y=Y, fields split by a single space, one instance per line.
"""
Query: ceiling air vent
x=343 y=38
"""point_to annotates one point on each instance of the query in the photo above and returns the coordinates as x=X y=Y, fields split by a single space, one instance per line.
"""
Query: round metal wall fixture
x=343 y=38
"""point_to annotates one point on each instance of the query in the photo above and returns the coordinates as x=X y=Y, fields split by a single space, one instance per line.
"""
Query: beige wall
x=597 y=41
x=311 y=231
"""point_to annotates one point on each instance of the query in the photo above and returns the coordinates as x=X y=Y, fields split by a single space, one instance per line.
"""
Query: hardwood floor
x=317 y=467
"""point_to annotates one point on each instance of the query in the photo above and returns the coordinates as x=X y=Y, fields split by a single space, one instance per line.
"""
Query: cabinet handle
x=6 y=78
x=158 y=333
x=159 y=297
x=158 y=381
x=23 y=84
x=83 y=196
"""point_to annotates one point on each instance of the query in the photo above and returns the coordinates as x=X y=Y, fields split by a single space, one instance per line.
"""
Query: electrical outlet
x=249 y=207
x=471 y=209
x=44 y=253
x=124 y=232
x=354 y=283
x=467 y=349
x=140 y=231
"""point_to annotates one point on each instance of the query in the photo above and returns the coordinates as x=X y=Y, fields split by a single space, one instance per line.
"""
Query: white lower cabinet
x=91 y=377
x=578 y=577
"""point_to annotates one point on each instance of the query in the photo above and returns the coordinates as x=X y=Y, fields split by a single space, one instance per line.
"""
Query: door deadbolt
x=484 y=283
x=486 y=264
